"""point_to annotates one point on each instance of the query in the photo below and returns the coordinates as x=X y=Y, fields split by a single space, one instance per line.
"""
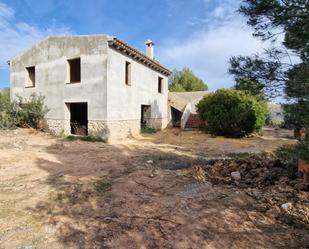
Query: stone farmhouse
x=94 y=85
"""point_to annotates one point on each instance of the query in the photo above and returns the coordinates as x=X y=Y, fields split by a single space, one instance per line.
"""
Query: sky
x=199 y=34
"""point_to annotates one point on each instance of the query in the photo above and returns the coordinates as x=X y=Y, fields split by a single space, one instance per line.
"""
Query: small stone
x=287 y=206
x=107 y=219
x=149 y=162
x=236 y=175
x=273 y=212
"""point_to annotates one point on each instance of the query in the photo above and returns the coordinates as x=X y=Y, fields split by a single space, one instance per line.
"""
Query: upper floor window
x=30 y=80
x=160 y=84
x=128 y=73
x=75 y=70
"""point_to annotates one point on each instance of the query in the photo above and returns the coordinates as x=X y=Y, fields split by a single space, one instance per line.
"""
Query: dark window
x=160 y=84
x=75 y=68
x=128 y=73
x=31 y=77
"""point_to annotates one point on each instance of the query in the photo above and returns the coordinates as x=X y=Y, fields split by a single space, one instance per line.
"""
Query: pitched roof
x=179 y=100
x=135 y=54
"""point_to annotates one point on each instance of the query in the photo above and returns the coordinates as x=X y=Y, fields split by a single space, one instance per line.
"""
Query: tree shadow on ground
x=108 y=196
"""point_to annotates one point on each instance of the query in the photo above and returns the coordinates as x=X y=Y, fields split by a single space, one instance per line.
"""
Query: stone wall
x=98 y=128
x=125 y=128
x=57 y=127
x=108 y=130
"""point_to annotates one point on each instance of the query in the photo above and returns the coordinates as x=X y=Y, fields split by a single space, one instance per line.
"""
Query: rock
x=287 y=206
x=107 y=219
x=253 y=192
x=273 y=212
x=149 y=162
x=236 y=175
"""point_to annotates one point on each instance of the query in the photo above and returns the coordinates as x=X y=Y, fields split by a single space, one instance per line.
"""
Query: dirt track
x=61 y=194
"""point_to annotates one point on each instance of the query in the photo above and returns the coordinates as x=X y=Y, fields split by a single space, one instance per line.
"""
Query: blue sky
x=199 y=34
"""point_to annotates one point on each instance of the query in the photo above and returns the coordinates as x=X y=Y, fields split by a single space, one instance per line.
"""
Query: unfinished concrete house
x=96 y=85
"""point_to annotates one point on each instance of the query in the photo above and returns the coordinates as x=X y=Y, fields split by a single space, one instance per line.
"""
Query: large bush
x=30 y=112
x=21 y=112
x=232 y=113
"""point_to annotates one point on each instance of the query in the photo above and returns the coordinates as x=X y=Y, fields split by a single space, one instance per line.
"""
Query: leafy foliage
x=271 y=18
x=232 y=113
x=86 y=138
x=186 y=81
x=251 y=86
x=7 y=120
x=30 y=112
x=296 y=115
x=22 y=112
x=148 y=130
x=297 y=84
x=264 y=73
x=274 y=69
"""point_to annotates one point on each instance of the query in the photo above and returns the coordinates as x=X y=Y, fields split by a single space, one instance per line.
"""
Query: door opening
x=176 y=117
x=79 y=118
x=145 y=116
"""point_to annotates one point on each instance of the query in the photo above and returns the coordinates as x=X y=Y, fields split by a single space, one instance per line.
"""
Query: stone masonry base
x=106 y=129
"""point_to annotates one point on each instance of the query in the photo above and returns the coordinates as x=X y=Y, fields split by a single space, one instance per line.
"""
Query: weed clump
x=148 y=130
x=102 y=186
x=86 y=138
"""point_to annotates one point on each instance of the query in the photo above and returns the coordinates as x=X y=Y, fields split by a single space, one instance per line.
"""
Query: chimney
x=149 y=49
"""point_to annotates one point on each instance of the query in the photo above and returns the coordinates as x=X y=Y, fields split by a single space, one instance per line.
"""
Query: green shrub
x=7 y=118
x=86 y=138
x=30 y=112
x=21 y=112
x=102 y=185
x=148 y=130
x=232 y=113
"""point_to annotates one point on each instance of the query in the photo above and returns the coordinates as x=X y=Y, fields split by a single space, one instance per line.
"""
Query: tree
x=252 y=86
x=186 y=81
x=274 y=68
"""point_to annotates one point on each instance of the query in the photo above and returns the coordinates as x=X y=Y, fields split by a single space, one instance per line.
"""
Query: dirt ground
x=167 y=190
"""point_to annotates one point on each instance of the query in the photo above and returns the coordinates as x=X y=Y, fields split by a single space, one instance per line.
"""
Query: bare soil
x=172 y=189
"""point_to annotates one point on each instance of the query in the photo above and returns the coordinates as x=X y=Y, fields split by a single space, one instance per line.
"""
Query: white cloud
x=207 y=50
x=17 y=36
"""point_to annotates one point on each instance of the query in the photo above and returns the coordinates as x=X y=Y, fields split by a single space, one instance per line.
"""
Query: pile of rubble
x=251 y=171
x=266 y=180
